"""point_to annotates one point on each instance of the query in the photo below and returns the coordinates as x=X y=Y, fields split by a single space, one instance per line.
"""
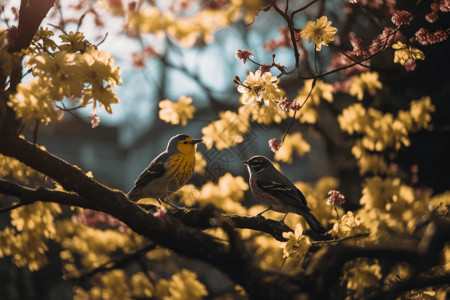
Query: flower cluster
x=401 y=17
x=273 y=144
x=335 y=197
x=297 y=245
x=321 y=90
x=425 y=37
x=319 y=31
x=176 y=113
x=260 y=87
x=403 y=53
x=244 y=55
x=93 y=218
x=367 y=81
x=293 y=143
x=76 y=70
x=226 y=132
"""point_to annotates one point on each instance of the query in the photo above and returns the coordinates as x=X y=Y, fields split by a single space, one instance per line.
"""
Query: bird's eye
x=185 y=142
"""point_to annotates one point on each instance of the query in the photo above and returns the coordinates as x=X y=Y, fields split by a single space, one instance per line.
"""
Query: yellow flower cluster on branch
x=260 y=87
x=309 y=112
x=183 y=285
x=226 y=194
x=32 y=226
x=262 y=114
x=226 y=132
x=75 y=71
x=403 y=53
x=319 y=31
x=360 y=274
x=293 y=143
x=177 y=112
x=367 y=81
x=349 y=225
x=297 y=245
x=380 y=131
x=91 y=245
x=188 y=29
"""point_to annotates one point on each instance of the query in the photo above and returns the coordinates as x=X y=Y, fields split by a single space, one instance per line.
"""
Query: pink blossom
x=432 y=17
x=216 y=4
x=444 y=5
x=138 y=60
x=284 y=104
x=335 y=197
x=161 y=212
x=94 y=120
x=358 y=50
x=342 y=86
x=244 y=55
x=295 y=105
x=424 y=37
x=264 y=68
x=401 y=17
x=410 y=65
x=274 y=146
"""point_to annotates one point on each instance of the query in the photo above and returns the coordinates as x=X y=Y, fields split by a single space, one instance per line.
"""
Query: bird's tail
x=315 y=225
x=134 y=195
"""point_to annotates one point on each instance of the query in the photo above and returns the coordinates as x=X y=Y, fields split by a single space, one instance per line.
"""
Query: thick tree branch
x=168 y=232
x=196 y=218
x=29 y=195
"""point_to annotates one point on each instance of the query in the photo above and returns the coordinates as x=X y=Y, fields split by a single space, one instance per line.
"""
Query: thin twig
x=341 y=239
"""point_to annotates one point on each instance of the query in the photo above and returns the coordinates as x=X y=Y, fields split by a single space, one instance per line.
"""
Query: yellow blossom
x=200 y=163
x=348 y=225
x=359 y=274
x=177 y=112
x=372 y=163
x=183 y=285
x=42 y=41
x=379 y=193
x=403 y=53
x=421 y=111
x=297 y=244
x=260 y=87
x=227 y=194
x=320 y=31
x=367 y=81
x=226 y=132
x=292 y=143
x=263 y=114
x=141 y=286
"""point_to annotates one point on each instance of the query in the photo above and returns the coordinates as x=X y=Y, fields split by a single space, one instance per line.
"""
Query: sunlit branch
x=28 y=195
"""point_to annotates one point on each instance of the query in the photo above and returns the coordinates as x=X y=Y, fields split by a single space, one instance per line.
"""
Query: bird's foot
x=259 y=218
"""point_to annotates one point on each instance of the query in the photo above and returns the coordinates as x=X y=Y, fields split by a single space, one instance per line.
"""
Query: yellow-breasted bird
x=277 y=192
x=168 y=172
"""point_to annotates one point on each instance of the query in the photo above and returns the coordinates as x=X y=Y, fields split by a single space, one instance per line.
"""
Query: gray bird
x=277 y=192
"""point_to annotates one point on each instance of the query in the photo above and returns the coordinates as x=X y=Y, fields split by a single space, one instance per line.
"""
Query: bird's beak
x=196 y=141
x=244 y=162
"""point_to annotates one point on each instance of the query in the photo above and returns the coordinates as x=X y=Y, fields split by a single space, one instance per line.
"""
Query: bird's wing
x=154 y=170
x=280 y=186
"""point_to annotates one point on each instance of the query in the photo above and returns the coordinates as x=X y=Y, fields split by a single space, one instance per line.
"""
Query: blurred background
x=126 y=141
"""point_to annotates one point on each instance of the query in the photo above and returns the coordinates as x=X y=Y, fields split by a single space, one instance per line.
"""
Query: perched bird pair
x=170 y=170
